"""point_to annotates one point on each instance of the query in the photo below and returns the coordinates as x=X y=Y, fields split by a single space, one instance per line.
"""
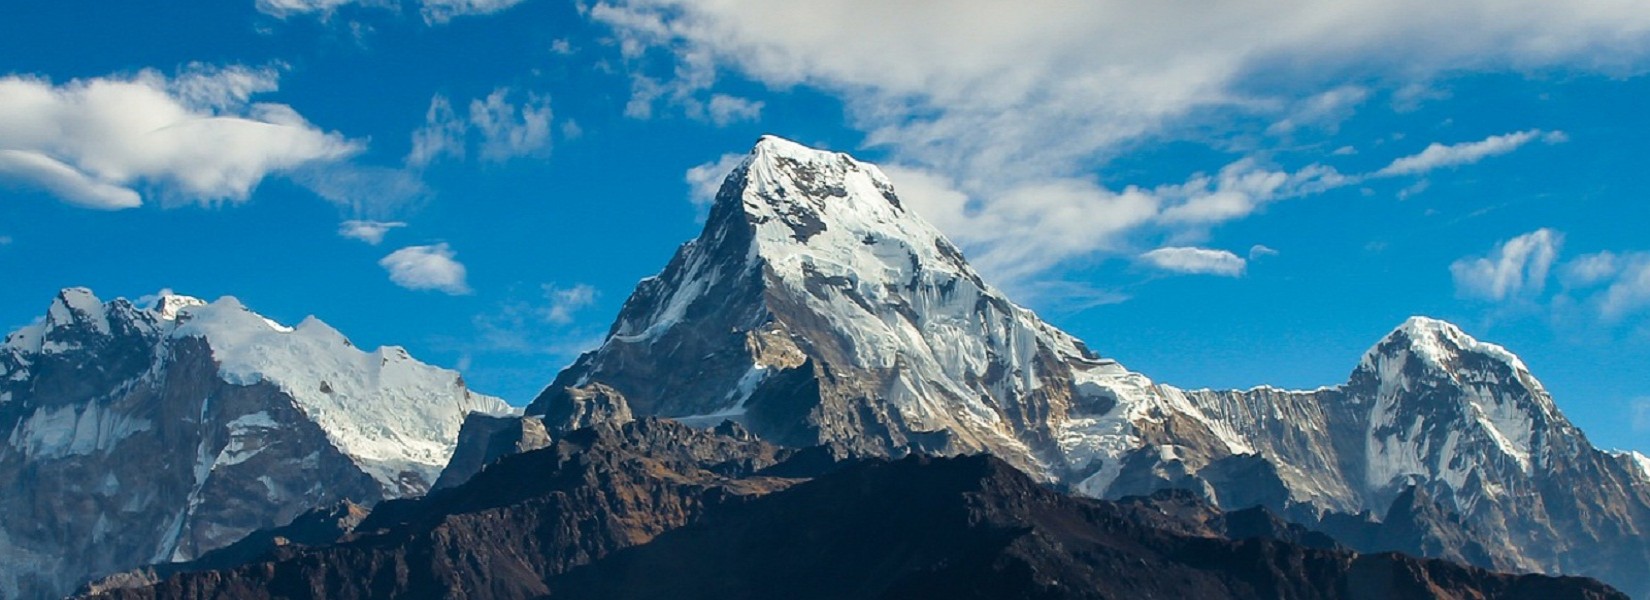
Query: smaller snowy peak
x=28 y=339
x=77 y=307
x=1636 y=460
x=388 y=411
x=168 y=305
x=1439 y=344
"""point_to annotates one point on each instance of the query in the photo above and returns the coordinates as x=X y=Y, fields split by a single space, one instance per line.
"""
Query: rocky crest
x=654 y=509
x=138 y=435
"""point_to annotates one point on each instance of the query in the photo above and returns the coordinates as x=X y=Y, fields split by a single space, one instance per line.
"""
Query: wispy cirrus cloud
x=499 y=129
x=1516 y=267
x=434 y=11
x=1608 y=286
x=1440 y=156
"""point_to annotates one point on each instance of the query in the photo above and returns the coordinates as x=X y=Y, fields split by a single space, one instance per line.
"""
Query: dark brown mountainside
x=654 y=509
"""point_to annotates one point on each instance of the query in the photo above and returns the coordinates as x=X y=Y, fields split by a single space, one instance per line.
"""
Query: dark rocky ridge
x=654 y=509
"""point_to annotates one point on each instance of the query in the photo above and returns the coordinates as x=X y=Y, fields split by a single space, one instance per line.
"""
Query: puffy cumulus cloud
x=196 y=137
x=371 y=232
x=432 y=267
x=1053 y=89
x=1197 y=261
x=433 y=11
x=502 y=129
x=563 y=303
x=1516 y=268
x=704 y=180
x=1439 y=156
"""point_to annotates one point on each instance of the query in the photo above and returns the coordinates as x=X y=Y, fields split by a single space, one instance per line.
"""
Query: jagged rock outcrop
x=816 y=307
x=137 y=435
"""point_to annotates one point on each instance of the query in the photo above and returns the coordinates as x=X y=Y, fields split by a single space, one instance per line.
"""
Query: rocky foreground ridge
x=655 y=509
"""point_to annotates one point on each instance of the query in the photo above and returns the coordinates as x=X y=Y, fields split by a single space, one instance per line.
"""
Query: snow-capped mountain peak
x=168 y=305
x=1439 y=345
x=133 y=434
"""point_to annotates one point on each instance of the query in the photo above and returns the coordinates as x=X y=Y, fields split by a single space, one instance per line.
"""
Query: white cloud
x=442 y=11
x=426 y=268
x=503 y=129
x=433 y=11
x=1629 y=291
x=1589 y=269
x=706 y=179
x=196 y=137
x=508 y=130
x=67 y=183
x=371 y=232
x=1021 y=232
x=1198 y=261
x=725 y=109
x=1051 y=90
x=1640 y=414
x=564 y=302
x=1239 y=189
x=1258 y=250
x=287 y=8
x=1438 y=156
x=441 y=136
x=1326 y=110
x=1515 y=268
x=366 y=191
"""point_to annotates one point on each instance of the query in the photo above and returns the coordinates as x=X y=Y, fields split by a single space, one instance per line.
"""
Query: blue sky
x=1217 y=195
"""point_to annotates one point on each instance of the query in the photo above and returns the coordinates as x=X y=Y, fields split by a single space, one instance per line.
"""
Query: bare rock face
x=654 y=509
x=816 y=308
x=139 y=435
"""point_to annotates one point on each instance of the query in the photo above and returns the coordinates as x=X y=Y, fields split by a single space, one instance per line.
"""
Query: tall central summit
x=816 y=308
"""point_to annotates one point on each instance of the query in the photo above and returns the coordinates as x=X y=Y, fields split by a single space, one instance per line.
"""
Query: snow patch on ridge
x=386 y=410
x=71 y=430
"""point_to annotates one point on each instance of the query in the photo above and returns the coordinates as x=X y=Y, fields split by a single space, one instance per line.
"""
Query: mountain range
x=824 y=331
x=816 y=307
x=155 y=434
x=655 y=509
